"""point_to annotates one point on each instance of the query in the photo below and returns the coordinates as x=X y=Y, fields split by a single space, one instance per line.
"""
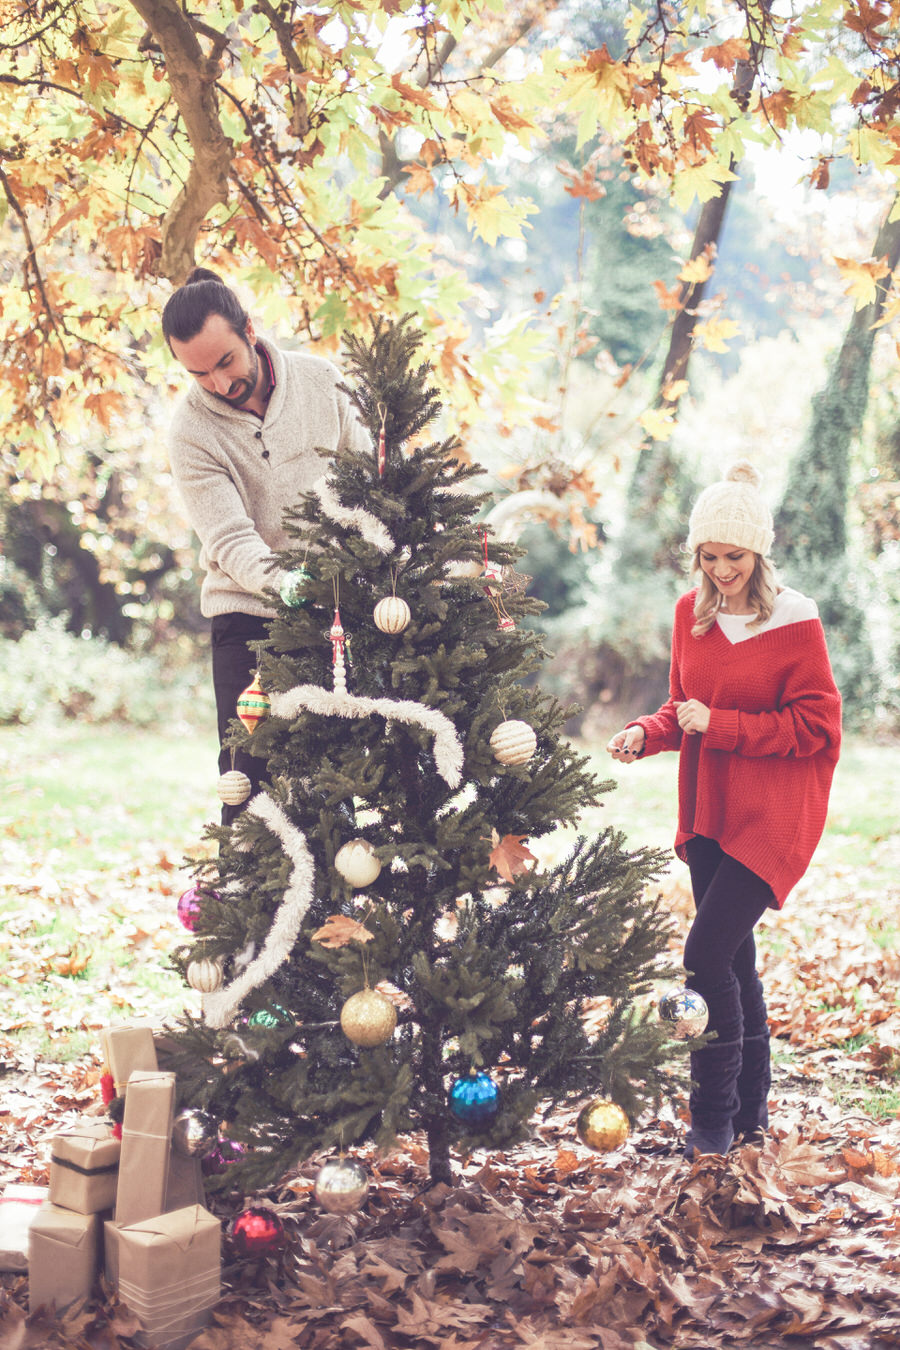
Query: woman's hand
x=692 y=716
x=626 y=745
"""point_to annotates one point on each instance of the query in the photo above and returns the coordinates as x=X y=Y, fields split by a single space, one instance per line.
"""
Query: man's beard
x=245 y=385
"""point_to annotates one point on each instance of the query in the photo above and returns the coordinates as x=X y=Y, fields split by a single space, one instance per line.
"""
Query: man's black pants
x=234 y=665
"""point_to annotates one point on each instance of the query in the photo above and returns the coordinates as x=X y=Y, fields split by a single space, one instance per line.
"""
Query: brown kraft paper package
x=63 y=1250
x=84 y=1168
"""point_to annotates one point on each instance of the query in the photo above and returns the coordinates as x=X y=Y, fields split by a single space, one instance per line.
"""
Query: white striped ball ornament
x=513 y=742
x=392 y=614
x=205 y=975
x=234 y=787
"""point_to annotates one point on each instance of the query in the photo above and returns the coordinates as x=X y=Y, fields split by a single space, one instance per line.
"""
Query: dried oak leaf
x=339 y=930
x=509 y=855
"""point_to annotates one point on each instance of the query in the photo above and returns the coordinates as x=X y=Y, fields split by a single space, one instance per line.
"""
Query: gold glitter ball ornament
x=392 y=614
x=357 y=863
x=368 y=1018
x=602 y=1125
x=341 y=1186
x=234 y=787
x=513 y=742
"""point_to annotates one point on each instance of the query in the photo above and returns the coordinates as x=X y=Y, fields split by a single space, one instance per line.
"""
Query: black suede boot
x=715 y=1068
x=754 y=1081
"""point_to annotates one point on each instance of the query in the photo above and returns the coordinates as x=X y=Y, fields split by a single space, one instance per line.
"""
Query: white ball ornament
x=392 y=614
x=462 y=569
x=357 y=863
x=234 y=788
x=513 y=742
x=205 y=975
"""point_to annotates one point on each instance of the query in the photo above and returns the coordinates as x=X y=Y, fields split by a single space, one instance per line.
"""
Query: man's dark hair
x=202 y=294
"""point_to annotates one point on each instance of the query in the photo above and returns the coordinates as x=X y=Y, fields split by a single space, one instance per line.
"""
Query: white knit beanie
x=733 y=512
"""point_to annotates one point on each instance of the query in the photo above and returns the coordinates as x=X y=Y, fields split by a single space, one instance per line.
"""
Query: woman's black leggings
x=720 y=952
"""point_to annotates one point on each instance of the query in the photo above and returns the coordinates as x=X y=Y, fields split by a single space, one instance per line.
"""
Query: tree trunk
x=811 y=524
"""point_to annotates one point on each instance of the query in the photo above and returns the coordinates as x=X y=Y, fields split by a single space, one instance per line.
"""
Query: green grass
x=95 y=823
x=95 y=791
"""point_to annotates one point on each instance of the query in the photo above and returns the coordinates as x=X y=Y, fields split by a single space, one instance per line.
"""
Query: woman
x=756 y=718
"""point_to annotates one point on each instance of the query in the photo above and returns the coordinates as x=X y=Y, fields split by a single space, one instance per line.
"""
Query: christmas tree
x=380 y=950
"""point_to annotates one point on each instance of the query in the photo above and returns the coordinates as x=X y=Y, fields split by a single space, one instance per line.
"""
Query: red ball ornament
x=257 y=1232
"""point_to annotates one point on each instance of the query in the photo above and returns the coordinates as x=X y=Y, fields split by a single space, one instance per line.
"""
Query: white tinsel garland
x=353 y=517
x=448 y=751
x=220 y=1007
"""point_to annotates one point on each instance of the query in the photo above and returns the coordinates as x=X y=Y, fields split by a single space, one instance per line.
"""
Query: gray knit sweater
x=237 y=474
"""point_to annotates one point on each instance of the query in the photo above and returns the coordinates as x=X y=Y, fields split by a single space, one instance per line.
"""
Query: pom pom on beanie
x=733 y=512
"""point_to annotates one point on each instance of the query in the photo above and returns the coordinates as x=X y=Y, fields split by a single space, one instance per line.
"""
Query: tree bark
x=191 y=77
x=812 y=520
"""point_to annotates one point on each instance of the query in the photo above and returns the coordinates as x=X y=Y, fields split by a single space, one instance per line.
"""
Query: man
x=243 y=448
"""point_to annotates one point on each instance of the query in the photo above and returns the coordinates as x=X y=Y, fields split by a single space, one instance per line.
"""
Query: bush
x=50 y=673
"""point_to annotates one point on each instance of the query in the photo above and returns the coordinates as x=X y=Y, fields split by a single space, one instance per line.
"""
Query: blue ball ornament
x=475 y=1099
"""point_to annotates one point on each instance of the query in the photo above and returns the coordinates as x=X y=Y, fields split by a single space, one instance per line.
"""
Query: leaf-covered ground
x=550 y=1246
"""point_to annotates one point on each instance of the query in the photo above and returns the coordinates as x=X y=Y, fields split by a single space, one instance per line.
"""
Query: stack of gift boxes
x=137 y=1204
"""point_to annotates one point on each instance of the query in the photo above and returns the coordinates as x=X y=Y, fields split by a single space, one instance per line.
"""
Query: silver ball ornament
x=685 y=1013
x=341 y=1186
x=392 y=614
x=234 y=787
x=513 y=742
x=194 y=1133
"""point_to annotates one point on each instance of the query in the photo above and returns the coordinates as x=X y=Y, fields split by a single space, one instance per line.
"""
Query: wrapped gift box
x=169 y=1272
x=146 y=1141
x=63 y=1248
x=19 y=1206
x=84 y=1168
x=184 y=1183
x=126 y=1049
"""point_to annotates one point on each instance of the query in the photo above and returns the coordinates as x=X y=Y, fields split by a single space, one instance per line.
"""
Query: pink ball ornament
x=220 y=1158
x=190 y=903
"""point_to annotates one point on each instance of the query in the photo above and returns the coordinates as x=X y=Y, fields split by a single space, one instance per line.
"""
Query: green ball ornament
x=269 y=1018
x=293 y=588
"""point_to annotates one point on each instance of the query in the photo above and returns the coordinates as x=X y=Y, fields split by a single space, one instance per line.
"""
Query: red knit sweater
x=758 y=779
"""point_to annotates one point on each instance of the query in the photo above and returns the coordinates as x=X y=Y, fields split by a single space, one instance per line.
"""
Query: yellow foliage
x=862 y=278
x=658 y=423
x=715 y=334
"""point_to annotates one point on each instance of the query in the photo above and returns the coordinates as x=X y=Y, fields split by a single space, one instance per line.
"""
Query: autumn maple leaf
x=509 y=855
x=863 y=278
x=339 y=930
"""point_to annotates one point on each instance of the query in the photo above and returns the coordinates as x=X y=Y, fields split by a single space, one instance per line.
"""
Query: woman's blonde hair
x=761 y=594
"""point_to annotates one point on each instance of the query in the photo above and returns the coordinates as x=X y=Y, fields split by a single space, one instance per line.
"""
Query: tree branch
x=191 y=78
